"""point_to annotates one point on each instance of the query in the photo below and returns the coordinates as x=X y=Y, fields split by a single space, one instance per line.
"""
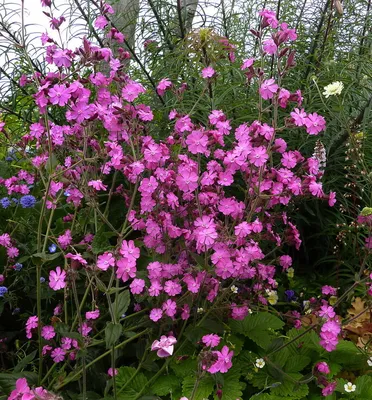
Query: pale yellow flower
x=333 y=89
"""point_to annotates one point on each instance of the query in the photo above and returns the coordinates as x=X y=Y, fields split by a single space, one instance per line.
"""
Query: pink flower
x=326 y=312
x=164 y=346
x=84 y=329
x=100 y=22
x=314 y=124
x=32 y=323
x=163 y=85
x=132 y=90
x=329 y=290
x=170 y=308
x=211 y=340
x=105 y=261
x=76 y=257
x=323 y=367
x=298 y=117
x=197 y=142
x=137 y=286
x=332 y=199
x=92 y=314
x=258 y=156
x=316 y=188
x=285 y=261
x=329 y=389
x=48 y=332
x=59 y=95
x=21 y=391
x=156 y=314
x=65 y=240
x=57 y=279
x=58 y=355
x=268 y=89
x=97 y=185
x=62 y=58
x=111 y=372
x=223 y=363
x=187 y=180
x=269 y=46
x=269 y=18
x=208 y=72
x=247 y=63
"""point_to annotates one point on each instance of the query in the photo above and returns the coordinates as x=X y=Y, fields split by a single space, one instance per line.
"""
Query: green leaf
x=289 y=387
x=101 y=242
x=347 y=354
x=165 y=385
x=25 y=361
x=203 y=390
x=363 y=387
x=44 y=257
x=121 y=303
x=136 y=383
x=296 y=363
x=112 y=334
x=8 y=381
x=258 y=327
x=184 y=367
x=231 y=388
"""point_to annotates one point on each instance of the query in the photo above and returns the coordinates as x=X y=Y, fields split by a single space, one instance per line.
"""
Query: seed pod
x=338 y=7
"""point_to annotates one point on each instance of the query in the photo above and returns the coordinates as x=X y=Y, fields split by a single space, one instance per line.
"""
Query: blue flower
x=52 y=248
x=14 y=200
x=66 y=193
x=28 y=201
x=18 y=266
x=42 y=279
x=290 y=294
x=5 y=202
x=3 y=291
x=16 y=311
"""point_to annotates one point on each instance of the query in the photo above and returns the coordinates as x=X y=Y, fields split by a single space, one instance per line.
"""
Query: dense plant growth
x=150 y=237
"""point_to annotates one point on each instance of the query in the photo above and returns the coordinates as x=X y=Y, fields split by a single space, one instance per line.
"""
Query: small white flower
x=260 y=363
x=200 y=310
x=234 y=289
x=349 y=387
x=250 y=311
x=333 y=89
x=369 y=361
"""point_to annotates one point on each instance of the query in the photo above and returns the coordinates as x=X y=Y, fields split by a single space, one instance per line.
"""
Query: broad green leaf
x=136 y=383
x=112 y=334
x=165 y=385
x=121 y=304
x=258 y=327
x=296 y=363
x=203 y=390
x=232 y=387
x=184 y=367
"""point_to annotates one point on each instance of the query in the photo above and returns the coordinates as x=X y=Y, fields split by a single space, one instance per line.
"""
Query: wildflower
x=163 y=85
x=32 y=323
x=323 y=367
x=290 y=273
x=197 y=142
x=260 y=363
x=349 y=387
x=18 y=266
x=269 y=46
x=3 y=291
x=268 y=89
x=59 y=95
x=269 y=18
x=28 y=201
x=100 y=22
x=58 y=355
x=290 y=294
x=97 y=185
x=48 y=332
x=258 y=156
x=5 y=202
x=223 y=363
x=329 y=389
x=298 y=117
x=57 y=279
x=105 y=261
x=211 y=340
x=164 y=346
x=42 y=279
x=156 y=314
x=272 y=297
x=137 y=286
x=247 y=63
x=314 y=124
x=52 y=248
x=111 y=372
x=234 y=289
x=200 y=310
x=132 y=90
x=333 y=89
x=92 y=314
x=208 y=72
x=84 y=329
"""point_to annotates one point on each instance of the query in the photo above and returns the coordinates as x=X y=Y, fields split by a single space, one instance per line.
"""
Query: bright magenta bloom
x=208 y=72
x=268 y=89
x=164 y=346
x=57 y=279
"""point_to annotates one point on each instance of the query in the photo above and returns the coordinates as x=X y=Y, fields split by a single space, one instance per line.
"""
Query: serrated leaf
x=204 y=387
x=121 y=303
x=101 y=242
x=184 y=367
x=137 y=383
x=296 y=363
x=232 y=387
x=165 y=385
x=258 y=327
x=112 y=334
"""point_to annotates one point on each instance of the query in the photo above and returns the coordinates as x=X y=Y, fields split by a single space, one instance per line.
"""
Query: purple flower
x=28 y=201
